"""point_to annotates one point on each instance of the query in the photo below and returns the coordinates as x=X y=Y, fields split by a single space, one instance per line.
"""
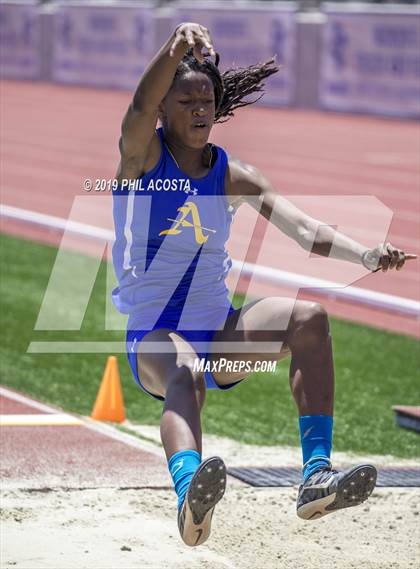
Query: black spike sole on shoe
x=352 y=490
x=206 y=488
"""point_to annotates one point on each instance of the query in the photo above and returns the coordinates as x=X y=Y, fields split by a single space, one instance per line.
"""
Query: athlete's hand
x=386 y=257
x=195 y=36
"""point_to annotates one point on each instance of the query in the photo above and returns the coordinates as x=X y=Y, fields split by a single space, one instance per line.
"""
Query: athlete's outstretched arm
x=139 y=123
x=251 y=186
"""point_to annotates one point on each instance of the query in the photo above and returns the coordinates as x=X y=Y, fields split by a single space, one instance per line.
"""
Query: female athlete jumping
x=172 y=210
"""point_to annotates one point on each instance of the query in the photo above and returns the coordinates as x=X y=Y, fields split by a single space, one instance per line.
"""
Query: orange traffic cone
x=109 y=405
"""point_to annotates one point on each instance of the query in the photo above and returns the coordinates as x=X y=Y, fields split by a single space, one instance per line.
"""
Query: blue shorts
x=192 y=336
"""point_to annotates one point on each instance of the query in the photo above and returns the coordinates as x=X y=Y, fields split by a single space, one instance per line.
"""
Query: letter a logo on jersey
x=188 y=208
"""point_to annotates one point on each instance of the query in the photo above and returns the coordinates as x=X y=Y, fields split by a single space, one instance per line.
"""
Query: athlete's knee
x=309 y=323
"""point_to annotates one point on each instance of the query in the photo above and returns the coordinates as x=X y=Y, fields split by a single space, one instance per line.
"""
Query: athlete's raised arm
x=138 y=143
x=251 y=186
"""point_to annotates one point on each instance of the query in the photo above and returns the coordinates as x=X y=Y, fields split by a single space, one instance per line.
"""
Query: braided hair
x=231 y=88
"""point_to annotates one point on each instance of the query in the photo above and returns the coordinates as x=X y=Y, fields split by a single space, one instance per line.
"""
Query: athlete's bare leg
x=306 y=335
x=170 y=374
x=290 y=327
x=199 y=485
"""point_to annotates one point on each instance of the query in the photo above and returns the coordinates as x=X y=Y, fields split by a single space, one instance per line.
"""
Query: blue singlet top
x=169 y=254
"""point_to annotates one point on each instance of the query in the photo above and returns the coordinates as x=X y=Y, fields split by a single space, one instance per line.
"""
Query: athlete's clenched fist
x=385 y=256
x=195 y=36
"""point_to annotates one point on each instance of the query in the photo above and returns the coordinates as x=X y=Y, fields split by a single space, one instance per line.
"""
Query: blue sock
x=316 y=441
x=182 y=466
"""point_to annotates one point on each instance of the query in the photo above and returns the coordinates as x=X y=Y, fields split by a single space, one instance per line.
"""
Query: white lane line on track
x=26 y=400
x=107 y=430
x=35 y=420
x=406 y=306
x=56 y=222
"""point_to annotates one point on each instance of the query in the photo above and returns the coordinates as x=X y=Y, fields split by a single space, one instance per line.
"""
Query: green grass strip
x=374 y=370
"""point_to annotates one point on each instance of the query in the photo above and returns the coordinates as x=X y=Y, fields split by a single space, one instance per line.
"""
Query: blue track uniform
x=169 y=254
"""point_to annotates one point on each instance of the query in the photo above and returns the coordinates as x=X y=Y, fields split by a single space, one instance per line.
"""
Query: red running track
x=53 y=137
x=42 y=457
